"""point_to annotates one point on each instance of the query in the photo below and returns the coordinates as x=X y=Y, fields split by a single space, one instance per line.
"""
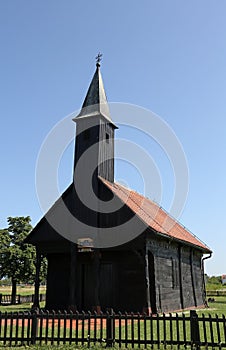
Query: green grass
x=19 y=307
x=217 y=307
x=214 y=286
x=21 y=290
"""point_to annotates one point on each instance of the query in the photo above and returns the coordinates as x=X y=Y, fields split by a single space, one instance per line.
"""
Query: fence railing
x=6 y=299
x=123 y=330
x=216 y=293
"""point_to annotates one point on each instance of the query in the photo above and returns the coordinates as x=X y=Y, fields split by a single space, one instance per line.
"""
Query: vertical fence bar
x=145 y=330
x=89 y=329
x=151 y=318
x=34 y=327
x=164 y=330
x=126 y=329
x=65 y=326
x=70 y=327
x=171 y=328
x=110 y=328
x=158 y=330
x=204 y=329
x=95 y=326
x=76 y=326
x=5 y=327
x=211 y=329
x=194 y=324
x=40 y=327
x=11 y=329
x=178 y=331
x=218 y=329
x=120 y=329
x=83 y=327
x=16 y=328
x=47 y=326
x=101 y=326
x=224 y=327
x=138 y=329
x=113 y=318
x=184 y=331
x=58 y=318
x=28 y=328
x=53 y=326
x=132 y=329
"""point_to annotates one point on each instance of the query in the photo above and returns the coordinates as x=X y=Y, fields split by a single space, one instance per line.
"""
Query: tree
x=17 y=259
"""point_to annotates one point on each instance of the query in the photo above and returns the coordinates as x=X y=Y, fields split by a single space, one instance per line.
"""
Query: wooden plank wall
x=178 y=275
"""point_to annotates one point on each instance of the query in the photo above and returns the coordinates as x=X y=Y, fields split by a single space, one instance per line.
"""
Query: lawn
x=21 y=290
x=19 y=307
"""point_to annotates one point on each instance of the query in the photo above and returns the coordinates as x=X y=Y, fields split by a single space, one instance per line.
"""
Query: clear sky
x=166 y=56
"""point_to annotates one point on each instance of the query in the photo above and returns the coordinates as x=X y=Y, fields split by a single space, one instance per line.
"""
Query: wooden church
x=91 y=265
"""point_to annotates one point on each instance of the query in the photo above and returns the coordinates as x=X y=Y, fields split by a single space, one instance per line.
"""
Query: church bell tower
x=94 y=143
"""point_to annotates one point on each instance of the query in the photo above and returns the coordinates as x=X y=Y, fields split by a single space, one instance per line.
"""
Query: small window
x=107 y=137
x=86 y=134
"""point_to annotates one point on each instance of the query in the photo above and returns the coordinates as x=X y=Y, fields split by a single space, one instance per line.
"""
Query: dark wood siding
x=188 y=294
x=198 y=277
x=106 y=151
x=178 y=275
x=58 y=279
x=107 y=286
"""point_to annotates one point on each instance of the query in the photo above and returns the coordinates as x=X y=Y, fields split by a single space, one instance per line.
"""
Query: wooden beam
x=147 y=278
x=96 y=289
x=37 y=280
x=192 y=276
x=73 y=269
x=181 y=277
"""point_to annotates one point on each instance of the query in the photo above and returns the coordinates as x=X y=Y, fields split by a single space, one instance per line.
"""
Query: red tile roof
x=153 y=215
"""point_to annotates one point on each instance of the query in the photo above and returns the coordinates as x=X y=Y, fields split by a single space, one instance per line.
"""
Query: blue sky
x=166 y=56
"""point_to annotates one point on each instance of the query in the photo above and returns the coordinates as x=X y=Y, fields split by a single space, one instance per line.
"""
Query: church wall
x=121 y=281
x=167 y=281
x=198 y=278
x=177 y=275
x=128 y=280
x=57 y=294
x=186 y=273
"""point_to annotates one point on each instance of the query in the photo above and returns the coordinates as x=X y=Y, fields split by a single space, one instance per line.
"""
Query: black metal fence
x=123 y=330
x=6 y=299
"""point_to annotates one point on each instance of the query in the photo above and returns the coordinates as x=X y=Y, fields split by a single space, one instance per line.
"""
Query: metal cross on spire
x=98 y=59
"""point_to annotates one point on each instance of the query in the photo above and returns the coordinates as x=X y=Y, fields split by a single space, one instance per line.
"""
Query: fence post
x=34 y=327
x=194 y=324
x=1 y=299
x=110 y=328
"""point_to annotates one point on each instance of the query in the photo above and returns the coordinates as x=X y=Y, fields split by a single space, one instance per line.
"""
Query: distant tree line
x=17 y=258
x=214 y=279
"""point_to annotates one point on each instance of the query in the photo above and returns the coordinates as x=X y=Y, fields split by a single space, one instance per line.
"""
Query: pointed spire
x=95 y=102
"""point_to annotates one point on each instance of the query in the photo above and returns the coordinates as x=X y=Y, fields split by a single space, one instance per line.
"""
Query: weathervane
x=98 y=59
